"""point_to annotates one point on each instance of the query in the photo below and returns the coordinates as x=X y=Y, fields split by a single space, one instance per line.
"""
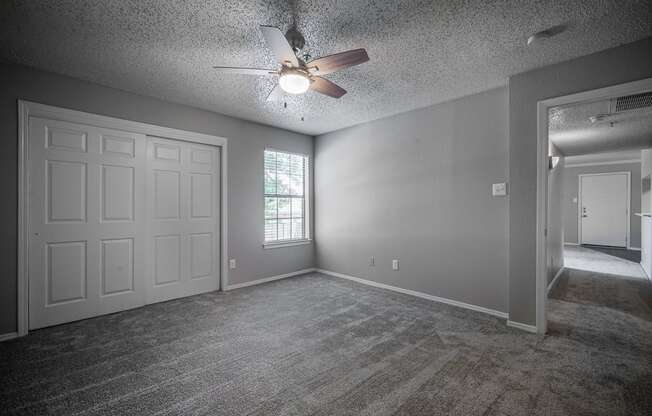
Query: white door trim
x=542 y=176
x=629 y=202
x=27 y=109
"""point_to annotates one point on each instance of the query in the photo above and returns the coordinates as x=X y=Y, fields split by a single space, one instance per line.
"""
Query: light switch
x=499 y=189
x=232 y=264
x=575 y=200
x=394 y=264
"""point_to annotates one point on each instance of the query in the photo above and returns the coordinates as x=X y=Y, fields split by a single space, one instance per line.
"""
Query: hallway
x=603 y=260
x=604 y=303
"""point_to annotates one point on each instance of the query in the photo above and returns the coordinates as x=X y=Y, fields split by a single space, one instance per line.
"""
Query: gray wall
x=570 y=191
x=614 y=66
x=245 y=164
x=555 y=241
x=417 y=187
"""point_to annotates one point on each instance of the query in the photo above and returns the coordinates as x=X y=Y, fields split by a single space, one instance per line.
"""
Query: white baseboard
x=554 y=280
x=268 y=279
x=8 y=336
x=571 y=244
x=503 y=315
x=635 y=248
x=417 y=294
x=524 y=327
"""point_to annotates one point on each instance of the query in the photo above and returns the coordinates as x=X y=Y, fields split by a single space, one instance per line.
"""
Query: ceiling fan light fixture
x=295 y=75
x=294 y=82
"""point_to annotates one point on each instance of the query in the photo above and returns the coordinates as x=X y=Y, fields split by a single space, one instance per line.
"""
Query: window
x=285 y=197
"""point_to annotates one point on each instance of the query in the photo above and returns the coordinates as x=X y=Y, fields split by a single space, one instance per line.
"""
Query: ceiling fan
x=294 y=75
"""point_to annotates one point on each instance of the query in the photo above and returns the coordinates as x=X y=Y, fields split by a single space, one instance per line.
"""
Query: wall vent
x=633 y=102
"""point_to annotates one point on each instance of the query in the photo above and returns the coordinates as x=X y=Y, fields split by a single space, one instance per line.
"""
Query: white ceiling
x=422 y=52
x=571 y=131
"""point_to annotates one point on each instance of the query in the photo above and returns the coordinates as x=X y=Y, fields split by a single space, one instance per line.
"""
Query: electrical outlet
x=394 y=264
x=372 y=261
x=232 y=264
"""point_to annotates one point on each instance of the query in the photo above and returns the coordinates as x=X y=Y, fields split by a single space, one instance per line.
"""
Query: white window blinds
x=285 y=196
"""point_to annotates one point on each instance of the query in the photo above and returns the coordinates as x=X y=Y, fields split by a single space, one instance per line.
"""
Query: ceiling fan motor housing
x=295 y=39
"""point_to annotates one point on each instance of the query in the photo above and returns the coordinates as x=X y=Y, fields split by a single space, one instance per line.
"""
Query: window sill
x=290 y=243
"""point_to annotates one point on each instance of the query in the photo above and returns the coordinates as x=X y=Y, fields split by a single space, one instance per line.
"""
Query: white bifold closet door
x=183 y=244
x=87 y=221
x=117 y=220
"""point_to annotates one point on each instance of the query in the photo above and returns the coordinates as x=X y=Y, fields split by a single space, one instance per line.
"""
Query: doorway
x=549 y=157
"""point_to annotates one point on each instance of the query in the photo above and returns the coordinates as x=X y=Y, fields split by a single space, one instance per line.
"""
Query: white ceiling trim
x=610 y=162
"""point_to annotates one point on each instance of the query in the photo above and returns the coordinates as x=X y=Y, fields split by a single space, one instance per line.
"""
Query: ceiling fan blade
x=279 y=45
x=245 y=71
x=331 y=63
x=274 y=94
x=326 y=87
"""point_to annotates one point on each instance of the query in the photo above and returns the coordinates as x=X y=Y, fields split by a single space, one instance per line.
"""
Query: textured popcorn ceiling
x=571 y=131
x=422 y=52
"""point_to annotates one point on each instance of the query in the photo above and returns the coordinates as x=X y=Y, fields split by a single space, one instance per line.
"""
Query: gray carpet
x=583 y=258
x=631 y=255
x=317 y=345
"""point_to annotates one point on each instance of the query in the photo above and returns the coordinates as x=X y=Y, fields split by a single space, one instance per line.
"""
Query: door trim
x=541 y=272
x=629 y=202
x=27 y=109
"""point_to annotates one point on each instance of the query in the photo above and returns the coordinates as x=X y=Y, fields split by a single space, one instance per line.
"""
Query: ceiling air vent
x=633 y=102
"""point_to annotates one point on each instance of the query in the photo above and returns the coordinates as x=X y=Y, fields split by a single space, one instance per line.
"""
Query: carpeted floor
x=588 y=258
x=318 y=345
x=623 y=253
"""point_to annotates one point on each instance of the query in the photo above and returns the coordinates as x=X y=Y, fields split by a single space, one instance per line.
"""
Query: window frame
x=306 y=203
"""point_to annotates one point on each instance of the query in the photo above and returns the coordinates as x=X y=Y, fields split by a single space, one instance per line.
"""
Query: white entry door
x=604 y=209
x=87 y=221
x=183 y=188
